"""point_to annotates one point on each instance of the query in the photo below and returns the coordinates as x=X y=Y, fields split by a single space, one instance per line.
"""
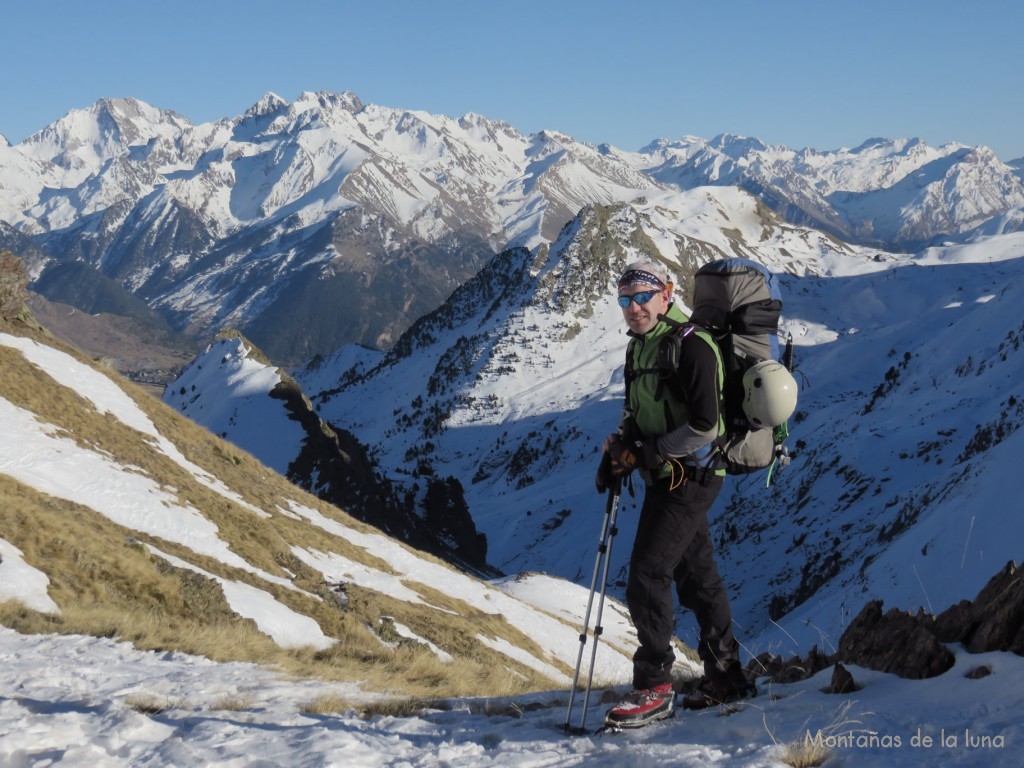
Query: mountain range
x=472 y=422
x=323 y=221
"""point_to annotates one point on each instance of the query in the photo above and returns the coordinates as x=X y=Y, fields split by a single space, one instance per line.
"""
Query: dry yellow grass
x=147 y=704
x=401 y=707
x=804 y=753
x=327 y=704
x=815 y=748
x=232 y=703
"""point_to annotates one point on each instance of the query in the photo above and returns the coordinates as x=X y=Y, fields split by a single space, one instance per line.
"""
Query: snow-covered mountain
x=910 y=369
x=305 y=224
x=892 y=194
x=322 y=221
x=906 y=435
x=511 y=385
x=906 y=431
x=492 y=335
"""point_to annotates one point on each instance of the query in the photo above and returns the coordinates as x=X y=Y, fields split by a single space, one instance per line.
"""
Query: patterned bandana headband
x=634 y=276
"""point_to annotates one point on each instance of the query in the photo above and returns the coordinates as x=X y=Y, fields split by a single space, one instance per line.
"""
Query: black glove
x=624 y=457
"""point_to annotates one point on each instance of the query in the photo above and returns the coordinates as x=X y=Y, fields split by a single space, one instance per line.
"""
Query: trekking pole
x=598 y=628
x=608 y=530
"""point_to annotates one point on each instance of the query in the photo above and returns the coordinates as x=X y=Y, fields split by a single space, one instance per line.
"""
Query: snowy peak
x=84 y=139
x=229 y=378
x=327 y=101
x=268 y=104
x=737 y=146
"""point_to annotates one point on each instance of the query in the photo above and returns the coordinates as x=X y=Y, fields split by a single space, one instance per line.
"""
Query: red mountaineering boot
x=640 y=707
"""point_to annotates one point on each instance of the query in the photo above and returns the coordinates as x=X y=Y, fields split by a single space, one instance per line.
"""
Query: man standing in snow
x=666 y=434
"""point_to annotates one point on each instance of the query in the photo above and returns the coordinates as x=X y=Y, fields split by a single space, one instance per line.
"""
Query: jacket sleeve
x=699 y=385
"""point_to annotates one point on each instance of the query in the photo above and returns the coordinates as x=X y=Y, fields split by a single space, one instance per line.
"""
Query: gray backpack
x=738 y=302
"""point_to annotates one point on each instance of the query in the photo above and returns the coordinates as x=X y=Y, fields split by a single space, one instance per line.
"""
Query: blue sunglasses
x=640 y=298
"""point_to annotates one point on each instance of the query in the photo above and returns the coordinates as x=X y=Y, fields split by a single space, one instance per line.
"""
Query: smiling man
x=666 y=434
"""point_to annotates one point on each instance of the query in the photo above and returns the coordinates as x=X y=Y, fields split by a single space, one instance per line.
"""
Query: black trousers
x=673 y=550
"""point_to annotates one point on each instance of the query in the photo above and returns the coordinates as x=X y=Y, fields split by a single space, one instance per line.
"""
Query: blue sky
x=822 y=74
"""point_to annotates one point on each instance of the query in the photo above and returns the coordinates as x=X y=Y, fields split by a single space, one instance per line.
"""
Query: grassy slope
x=106 y=583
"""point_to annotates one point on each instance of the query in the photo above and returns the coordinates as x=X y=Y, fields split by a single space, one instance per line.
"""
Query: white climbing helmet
x=769 y=394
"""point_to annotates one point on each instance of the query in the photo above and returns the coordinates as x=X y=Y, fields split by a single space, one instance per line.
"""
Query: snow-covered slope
x=227 y=391
x=161 y=497
x=232 y=390
x=79 y=702
x=907 y=434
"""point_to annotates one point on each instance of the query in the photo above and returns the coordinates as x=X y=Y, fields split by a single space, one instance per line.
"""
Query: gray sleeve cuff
x=684 y=441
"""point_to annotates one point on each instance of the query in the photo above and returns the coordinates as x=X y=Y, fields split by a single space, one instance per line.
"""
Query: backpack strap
x=668 y=366
x=631 y=372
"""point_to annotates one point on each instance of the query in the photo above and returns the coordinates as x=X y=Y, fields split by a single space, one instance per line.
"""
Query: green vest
x=655 y=410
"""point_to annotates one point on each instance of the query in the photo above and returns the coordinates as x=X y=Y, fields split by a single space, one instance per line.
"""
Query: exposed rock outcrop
x=914 y=646
x=993 y=621
x=895 y=642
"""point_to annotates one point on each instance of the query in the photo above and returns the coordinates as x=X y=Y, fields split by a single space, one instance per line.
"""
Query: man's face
x=643 y=317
